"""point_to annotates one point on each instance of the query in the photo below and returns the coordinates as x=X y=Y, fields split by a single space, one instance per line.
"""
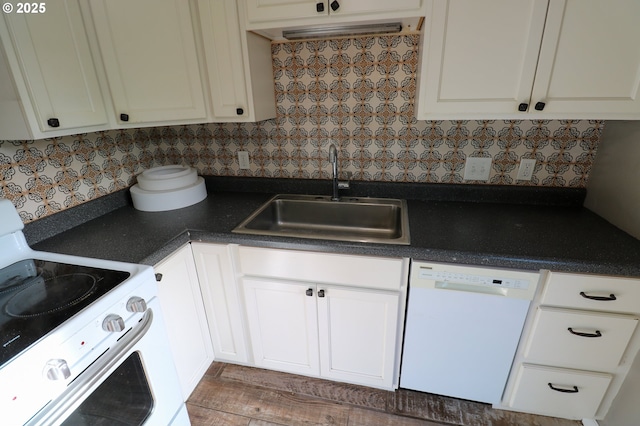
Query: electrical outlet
x=477 y=168
x=243 y=160
x=527 y=166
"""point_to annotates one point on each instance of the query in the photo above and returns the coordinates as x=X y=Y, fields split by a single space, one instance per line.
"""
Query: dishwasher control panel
x=466 y=278
x=499 y=282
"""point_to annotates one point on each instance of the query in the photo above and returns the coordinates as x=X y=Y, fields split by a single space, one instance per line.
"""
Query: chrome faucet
x=333 y=159
x=337 y=185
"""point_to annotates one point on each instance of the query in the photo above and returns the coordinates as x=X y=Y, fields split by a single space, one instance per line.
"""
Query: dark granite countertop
x=523 y=228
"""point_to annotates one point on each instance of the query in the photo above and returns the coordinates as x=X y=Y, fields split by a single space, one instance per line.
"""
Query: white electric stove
x=82 y=341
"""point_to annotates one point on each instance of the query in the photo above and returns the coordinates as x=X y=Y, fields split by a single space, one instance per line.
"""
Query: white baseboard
x=589 y=422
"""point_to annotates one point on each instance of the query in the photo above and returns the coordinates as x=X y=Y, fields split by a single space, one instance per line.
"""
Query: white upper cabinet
x=278 y=10
x=13 y=125
x=149 y=53
x=479 y=56
x=530 y=59
x=238 y=65
x=271 y=16
x=54 y=74
x=589 y=62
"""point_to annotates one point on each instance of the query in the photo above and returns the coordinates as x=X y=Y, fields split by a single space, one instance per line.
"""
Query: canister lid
x=167 y=177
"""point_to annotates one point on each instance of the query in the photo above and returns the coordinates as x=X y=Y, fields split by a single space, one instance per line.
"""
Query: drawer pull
x=577 y=333
x=598 y=298
x=574 y=390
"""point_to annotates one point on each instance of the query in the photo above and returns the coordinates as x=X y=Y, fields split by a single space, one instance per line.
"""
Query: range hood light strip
x=345 y=30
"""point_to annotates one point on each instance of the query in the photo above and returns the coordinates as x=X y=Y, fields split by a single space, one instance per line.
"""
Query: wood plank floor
x=233 y=395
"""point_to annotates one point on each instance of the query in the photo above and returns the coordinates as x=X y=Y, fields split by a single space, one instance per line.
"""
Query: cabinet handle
x=608 y=298
x=124 y=117
x=158 y=276
x=574 y=390
x=335 y=5
x=309 y=292
x=523 y=107
x=577 y=333
x=53 y=122
x=320 y=7
x=239 y=111
x=539 y=106
x=320 y=293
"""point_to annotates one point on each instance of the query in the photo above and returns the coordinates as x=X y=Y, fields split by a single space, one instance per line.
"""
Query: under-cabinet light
x=342 y=30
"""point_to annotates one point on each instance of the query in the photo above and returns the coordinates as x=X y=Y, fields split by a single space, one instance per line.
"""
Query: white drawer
x=356 y=271
x=555 y=339
x=539 y=389
x=577 y=291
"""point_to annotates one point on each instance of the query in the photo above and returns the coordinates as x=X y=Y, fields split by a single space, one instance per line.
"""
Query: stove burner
x=11 y=284
x=43 y=296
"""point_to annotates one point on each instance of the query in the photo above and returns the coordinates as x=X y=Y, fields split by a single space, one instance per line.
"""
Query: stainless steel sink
x=371 y=220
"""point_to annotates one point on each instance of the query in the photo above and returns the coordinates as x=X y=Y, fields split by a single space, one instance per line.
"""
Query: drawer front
x=591 y=292
x=579 y=339
x=356 y=271
x=559 y=392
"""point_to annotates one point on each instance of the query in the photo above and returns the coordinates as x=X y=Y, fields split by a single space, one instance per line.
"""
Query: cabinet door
x=357 y=330
x=221 y=301
x=185 y=317
x=241 y=90
x=13 y=125
x=571 y=78
x=356 y=7
x=277 y=10
x=149 y=53
x=283 y=326
x=223 y=50
x=54 y=62
x=479 y=57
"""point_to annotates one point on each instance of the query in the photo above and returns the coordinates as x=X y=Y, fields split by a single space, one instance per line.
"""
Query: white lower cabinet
x=185 y=318
x=221 y=302
x=579 y=339
x=579 y=342
x=562 y=392
x=344 y=325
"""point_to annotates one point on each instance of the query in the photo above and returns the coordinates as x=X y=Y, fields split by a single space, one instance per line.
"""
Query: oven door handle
x=92 y=375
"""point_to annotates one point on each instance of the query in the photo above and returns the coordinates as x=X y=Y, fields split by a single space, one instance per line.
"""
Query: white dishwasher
x=463 y=326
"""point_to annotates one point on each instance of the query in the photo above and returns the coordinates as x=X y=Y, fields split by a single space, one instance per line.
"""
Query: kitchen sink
x=369 y=220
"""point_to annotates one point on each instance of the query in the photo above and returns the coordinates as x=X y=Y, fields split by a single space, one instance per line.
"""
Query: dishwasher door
x=462 y=329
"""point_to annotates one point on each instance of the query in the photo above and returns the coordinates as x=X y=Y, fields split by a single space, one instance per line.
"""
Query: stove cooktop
x=36 y=296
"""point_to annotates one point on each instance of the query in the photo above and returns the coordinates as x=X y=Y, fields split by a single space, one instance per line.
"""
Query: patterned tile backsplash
x=357 y=93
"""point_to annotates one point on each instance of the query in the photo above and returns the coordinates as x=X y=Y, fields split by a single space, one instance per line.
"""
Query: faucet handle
x=345 y=184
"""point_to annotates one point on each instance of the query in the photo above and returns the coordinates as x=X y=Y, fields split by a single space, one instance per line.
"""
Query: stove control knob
x=56 y=369
x=136 y=304
x=113 y=323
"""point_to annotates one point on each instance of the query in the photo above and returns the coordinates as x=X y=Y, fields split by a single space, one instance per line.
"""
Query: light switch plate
x=243 y=160
x=477 y=168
